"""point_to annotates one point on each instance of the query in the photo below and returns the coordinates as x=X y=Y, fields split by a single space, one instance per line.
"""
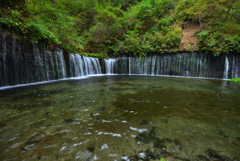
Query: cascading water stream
x=226 y=68
x=109 y=64
x=184 y=64
x=22 y=62
x=82 y=66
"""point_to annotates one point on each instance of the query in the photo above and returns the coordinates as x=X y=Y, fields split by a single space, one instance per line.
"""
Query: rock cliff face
x=24 y=62
x=178 y=64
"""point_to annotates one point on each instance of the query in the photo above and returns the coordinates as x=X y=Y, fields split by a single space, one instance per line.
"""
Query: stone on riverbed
x=32 y=141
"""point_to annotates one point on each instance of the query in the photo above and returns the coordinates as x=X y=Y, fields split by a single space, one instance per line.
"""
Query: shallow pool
x=122 y=118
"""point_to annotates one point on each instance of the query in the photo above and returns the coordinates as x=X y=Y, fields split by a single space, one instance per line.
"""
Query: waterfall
x=194 y=65
x=180 y=64
x=23 y=62
x=226 y=68
x=82 y=66
x=235 y=68
x=109 y=64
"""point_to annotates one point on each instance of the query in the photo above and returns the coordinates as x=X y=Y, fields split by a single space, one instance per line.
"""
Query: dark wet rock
x=113 y=88
x=164 y=140
x=29 y=114
x=36 y=138
x=2 y=124
x=37 y=124
x=91 y=115
x=65 y=157
x=102 y=109
x=177 y=142
x=160 y=146
x=48 y=125
x=152 y=132
x=124 y=83
x=147 y=137
x=150 y=137
x=91 y=148
x=88 y=159
x=164 y=121
x=167 y=140
x=143 y=137
x=223 y=133
x=68 y=120
x=11 y=118
x=47 y=113
x=203 y=158
x=214 y=155
x=15 y=111
x=167 y=154
x=28 y=147
x=183 y=159
x=143 y=122
x=115 y=113
x=133 y=158
x=98 y=119
x=46 y=103
x=153 y=153
x=236 y=142
x=33 y=141
x=73 y=105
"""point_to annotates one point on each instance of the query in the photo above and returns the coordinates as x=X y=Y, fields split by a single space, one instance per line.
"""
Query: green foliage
x=162 y=159
x=12 y=19
x=93 y=27
x=235 y=79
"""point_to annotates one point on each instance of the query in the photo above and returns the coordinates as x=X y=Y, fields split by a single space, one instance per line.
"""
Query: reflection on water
x=122 y=118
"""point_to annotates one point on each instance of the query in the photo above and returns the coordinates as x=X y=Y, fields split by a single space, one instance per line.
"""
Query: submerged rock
x=164 y=121
x=183 y=159
x=236 y=142
x=147 y=137
x=32 y=141
x=143 y=137
x=46 y=103
x=91 y=148
x=37 y=124
x=116 y=113
x=152 y=132
x=203 y=158
x=223 y=133
x=176 y=142
x=102 y=109
x=153 y=153
x=2 y=125
x=159 y=145
x=214 y=155
x=143 y=122
x=98 y=119
x=36 y=138
x=68 y=120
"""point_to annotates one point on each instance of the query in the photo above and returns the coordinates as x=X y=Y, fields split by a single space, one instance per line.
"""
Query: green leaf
x=163 y=159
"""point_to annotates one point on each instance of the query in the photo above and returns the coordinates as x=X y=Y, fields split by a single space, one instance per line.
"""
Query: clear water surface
x=122 y=118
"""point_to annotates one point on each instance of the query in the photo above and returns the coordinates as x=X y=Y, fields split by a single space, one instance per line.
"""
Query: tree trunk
x=230 y=7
